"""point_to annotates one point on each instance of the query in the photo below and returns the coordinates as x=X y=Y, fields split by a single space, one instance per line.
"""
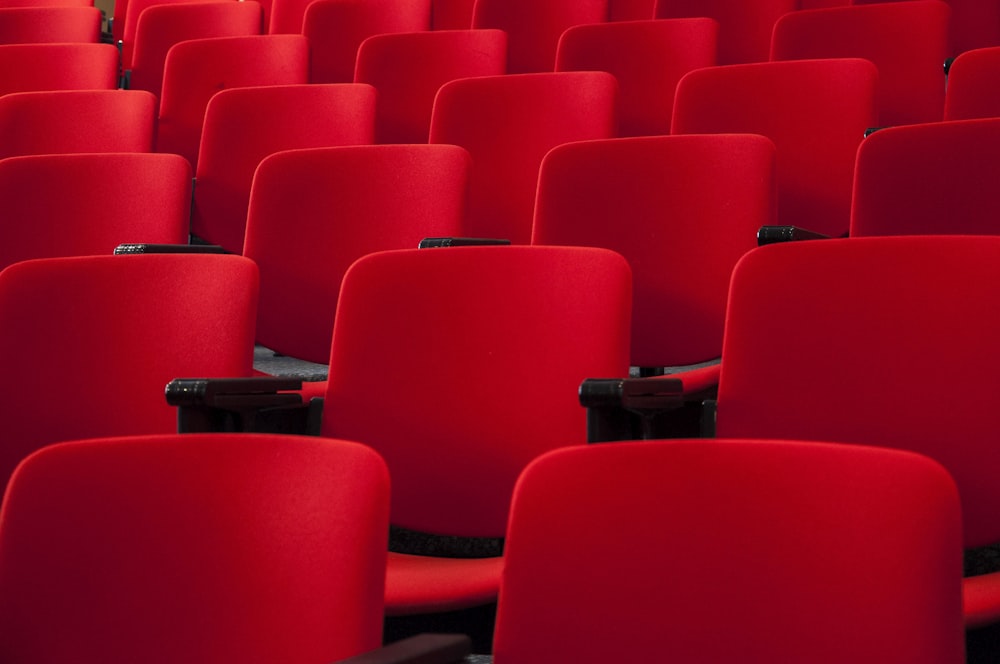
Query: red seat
x=194 y=549
x=815 y=111
x=451 y=14
x=732 y=550
x=43 y=25
x=408 y=68
x=508 y=123
x=70 y=121
x=647 y=58
x=130 y=24
x=244 y=125
x=744 y=27
x=972 y=91
x=907 y=41
x=37 y=67
x=955 y=159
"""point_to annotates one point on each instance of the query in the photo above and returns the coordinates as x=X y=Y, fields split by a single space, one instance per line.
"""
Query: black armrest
x=258 y=404
x=773 y=234
x=169 y=249
x=635 y=408
x=435 y=242
x=419 y=649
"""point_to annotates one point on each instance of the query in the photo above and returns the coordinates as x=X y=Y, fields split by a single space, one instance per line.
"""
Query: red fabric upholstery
x=195 y=548
x=631 y=10
x=336 y=28
x=94 y=340
x=314 y=212
x=195 y=70
x=732 y=550
x=130 y=24
x=451 y=14
x=956 y=164
x=815 y=111
x=459 y=366
x=681 y=240
x=32 y=67
x=508 y=123
x=744 y=27
x=972 y=91
x=886 y=341
x=37 y=25
x=907 y=41
x=647 y=58
x=974 y=23
x=163 y=25
x=72 y=121
x=72 y=212
x=245 y=125
x=533 y=27
x=408 y=68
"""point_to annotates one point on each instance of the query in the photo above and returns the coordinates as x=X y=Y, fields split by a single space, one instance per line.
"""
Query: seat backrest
x=70 y=121
x=244 y=125
x=907 y=41
x=46 y=3
x=887 y=341
x=72 y=210
x=974 y=23
x=508 y=123
x=744 y=27
x=681 y=209
x=135 y=9
x=95 y=339
x=161 y=26
x=958 y=157
x=460 y=365
x=533 y=27
x=34 y=67
x=647 y=58
x=631 y=10
x=972 y=91
x=39 y=25
x=314 y=212
x=408 y=68
x=451 y=14
x=194 y=548
x=644 y=551
x=197 y=69
x=815 y=111
x=336 y=28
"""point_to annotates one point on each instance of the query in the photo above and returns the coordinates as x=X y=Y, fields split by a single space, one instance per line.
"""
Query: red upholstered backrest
x=886 y=341
x=244 y=125
x=954 y=161
x=29 y=67
x=815 y=111
x=732 y=550
x=71 y=121
x=197 y=69
x=451 y=14
x=972 y=91
x=194 y=548
x=460 y=365
x=907 y=41
x=94 y=341
x=163 y=25
x=130 y=24
x=38 y=25
x=681 y=209
x=314 y=212
x=744 y=27
x=533 y=27
x=647 y=58
x=71 y=211
x=508 y=123
x=408 y=68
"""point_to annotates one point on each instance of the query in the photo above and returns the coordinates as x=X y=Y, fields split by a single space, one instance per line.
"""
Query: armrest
x=258 y=404
x=169 y=249
x=419 y=649
x=633 y=408
x=435 y=242
x=772 y=234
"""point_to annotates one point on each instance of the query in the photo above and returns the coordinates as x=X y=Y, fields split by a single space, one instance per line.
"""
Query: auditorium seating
x=971 y=91
x=744 y=27
x=40 y=25
x=37 y=67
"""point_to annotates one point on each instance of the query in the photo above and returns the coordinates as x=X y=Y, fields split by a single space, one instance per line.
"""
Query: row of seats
x=356 y=391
